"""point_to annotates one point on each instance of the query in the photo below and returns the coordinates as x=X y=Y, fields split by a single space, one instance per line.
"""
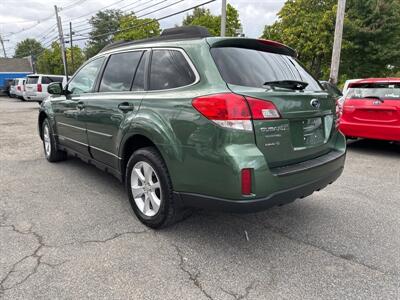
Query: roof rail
x=176 y=33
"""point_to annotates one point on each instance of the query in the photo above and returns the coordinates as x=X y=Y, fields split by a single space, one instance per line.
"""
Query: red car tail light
x=18 y=88
x=39 y=87
x=235 y=111
x=246 y=181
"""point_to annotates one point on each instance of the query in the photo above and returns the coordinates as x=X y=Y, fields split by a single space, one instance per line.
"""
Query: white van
x=19 y=87
x=36 y=86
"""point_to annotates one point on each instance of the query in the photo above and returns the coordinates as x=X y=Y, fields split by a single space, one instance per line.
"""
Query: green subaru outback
x=187 y=120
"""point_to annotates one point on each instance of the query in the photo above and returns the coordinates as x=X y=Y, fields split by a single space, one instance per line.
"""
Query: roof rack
x=176 y=33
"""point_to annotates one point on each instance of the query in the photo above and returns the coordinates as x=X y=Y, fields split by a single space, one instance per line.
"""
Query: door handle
x=80 y=105
x=125 y=106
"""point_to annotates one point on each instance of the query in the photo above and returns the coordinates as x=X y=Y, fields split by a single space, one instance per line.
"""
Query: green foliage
x=371 y=38
x=307 y=26
x=50 y=61
x=28 y=47
x=137 y=29
x=203 y=17
x=102 y=23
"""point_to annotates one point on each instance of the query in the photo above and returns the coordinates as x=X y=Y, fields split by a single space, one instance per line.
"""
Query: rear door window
x=32 y=80
x=169 y=69
x=119 y=72
x=248 y=67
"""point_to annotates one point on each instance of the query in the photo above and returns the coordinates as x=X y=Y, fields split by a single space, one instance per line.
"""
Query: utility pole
x=223 y=18
x=71 y=46
x=337 y=43
x=62 y=44
x=2 y=45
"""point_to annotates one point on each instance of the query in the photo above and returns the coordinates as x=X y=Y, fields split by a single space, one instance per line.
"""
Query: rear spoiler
x=256 y=44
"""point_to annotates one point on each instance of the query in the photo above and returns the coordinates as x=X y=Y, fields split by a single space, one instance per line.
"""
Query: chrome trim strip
x=72 y=126
x=106 y=152
x=98 y=149
x=100 y=133
x=72 y=140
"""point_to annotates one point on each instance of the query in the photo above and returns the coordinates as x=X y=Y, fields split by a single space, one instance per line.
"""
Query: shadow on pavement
x=374 y=147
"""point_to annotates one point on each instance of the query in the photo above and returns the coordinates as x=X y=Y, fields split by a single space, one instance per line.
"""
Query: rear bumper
x=370 y=131
x=253 y=205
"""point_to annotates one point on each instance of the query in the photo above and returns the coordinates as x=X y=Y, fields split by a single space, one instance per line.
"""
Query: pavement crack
x=115 y=236
x=193 y=277
x=347 y=257
x=34 y=255
x=238 y=296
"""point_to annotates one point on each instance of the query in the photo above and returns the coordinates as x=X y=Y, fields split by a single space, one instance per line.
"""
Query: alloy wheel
x=146 y=188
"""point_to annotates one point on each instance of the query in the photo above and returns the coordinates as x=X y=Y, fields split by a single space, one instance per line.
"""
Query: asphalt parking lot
x=67 y=231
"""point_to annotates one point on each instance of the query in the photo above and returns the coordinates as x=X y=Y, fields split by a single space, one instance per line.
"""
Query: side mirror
x=55 y=88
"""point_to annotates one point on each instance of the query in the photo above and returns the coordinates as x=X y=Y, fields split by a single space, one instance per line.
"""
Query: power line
x=151 y=21
x=146 y=14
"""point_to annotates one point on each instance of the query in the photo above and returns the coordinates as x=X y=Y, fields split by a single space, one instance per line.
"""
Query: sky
x=20 y=19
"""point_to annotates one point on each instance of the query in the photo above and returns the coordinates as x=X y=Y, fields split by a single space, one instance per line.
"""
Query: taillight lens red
x=246 y=181
x=18 y=88
x=262 y=109
x=39 y=87
x=235 y=111
x=222 y=107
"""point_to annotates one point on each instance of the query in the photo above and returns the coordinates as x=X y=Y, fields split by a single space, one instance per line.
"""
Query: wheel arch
x=41 y=118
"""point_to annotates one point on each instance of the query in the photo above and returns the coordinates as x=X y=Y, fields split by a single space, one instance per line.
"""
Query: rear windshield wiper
x=374 y=97
x=287 y=84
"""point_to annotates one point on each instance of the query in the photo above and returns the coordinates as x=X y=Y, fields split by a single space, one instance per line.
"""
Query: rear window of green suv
x=248 y=67
x=170 y=69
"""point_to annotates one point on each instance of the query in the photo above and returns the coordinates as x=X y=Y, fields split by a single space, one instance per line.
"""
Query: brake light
x=262 y=109
x=227 y=110
x=246 y=181
x=234 y=111
x=39 y=87
x=18 y=88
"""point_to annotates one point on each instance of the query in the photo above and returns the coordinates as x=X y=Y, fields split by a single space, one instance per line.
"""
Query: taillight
x=18 y=88
x=234 y=111
x=246 y=181
x=39 y=87
x=227 y=110
x=262 y=109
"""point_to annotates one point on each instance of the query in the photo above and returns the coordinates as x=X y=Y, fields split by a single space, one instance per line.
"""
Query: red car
x=371 y=109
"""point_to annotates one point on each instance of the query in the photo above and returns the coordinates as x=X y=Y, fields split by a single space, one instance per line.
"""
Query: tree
x=28 y=47
x=371 y=38
x=136 y=29
x=203 y=17
x=104 y=23
x=50 y=61
x=307 y=26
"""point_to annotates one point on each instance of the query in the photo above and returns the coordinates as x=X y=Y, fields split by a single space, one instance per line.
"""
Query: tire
x=51 y=152
x=168 y=211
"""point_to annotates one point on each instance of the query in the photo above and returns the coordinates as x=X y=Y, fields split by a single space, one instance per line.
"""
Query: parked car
x=12 y=88
x=19 y=88
x=347 y=84
x=332 y=89
x=188 y=120
x=372 y=109
x=36 y=86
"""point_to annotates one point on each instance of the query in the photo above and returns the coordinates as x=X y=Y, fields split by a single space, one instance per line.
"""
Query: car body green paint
x=202 y=157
